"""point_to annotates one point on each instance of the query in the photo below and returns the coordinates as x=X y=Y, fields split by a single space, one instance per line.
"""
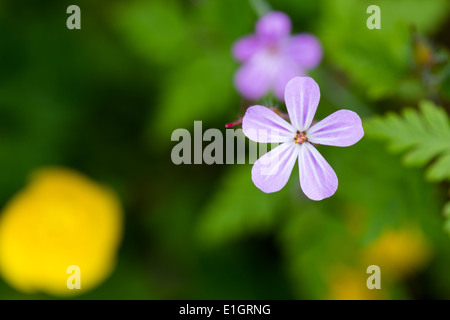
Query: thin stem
x=233 y=124
x=238 y=122
x=261 y=7
x=281 y=114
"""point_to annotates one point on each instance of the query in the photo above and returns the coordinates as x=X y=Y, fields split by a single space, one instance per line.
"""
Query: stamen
x=300 y=137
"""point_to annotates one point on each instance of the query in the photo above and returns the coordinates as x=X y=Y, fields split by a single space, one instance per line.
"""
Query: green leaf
x=436 y=118
x=424 y=135
x=155 y=30
x=238 y=208
x=440 y=170
x=313 y=239
x=200 y=90
x=446 y=212
x=373 y=195
x=377 y=60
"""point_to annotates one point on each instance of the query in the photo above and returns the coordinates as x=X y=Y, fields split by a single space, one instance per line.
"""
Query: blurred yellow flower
x=60 y=219
x=399 y=253
x=350 y=284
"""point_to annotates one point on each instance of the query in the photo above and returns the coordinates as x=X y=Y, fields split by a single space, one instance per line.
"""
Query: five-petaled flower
x=271 y=172
x=271 y=57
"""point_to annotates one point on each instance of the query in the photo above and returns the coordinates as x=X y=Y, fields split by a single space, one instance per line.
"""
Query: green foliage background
x=105 y=99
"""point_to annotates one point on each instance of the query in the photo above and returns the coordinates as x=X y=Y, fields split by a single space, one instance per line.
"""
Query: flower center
x=300 y=137
x=273 y=49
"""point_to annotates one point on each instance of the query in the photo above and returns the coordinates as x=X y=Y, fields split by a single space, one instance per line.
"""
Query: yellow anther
x=299 y=138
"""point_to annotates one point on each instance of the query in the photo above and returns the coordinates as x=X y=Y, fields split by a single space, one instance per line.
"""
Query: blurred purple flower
x=271 y=56
x=271 y=172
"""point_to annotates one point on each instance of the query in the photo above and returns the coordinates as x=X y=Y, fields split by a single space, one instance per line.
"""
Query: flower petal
x=273 y=27
x=271 y=172
x=302 y=97
x=305 y=49
x=261 y=124
x=287 y=69
x=317 y=179
x=244 y=48
x=342 y=128
x=254 y=78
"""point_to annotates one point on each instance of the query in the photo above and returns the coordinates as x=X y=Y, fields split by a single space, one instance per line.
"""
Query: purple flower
x=271 y=57
x=271 y=172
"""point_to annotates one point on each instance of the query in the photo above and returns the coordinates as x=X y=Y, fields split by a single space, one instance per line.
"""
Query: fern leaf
x=423 y=134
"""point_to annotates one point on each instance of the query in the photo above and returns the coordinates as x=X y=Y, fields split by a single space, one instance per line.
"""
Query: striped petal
x=271 y=172
x=302 y=97
x=261 y=124
x=342 y=128
x=317 y=179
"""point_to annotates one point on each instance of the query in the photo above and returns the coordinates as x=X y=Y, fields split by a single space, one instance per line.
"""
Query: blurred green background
x=105 y=99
